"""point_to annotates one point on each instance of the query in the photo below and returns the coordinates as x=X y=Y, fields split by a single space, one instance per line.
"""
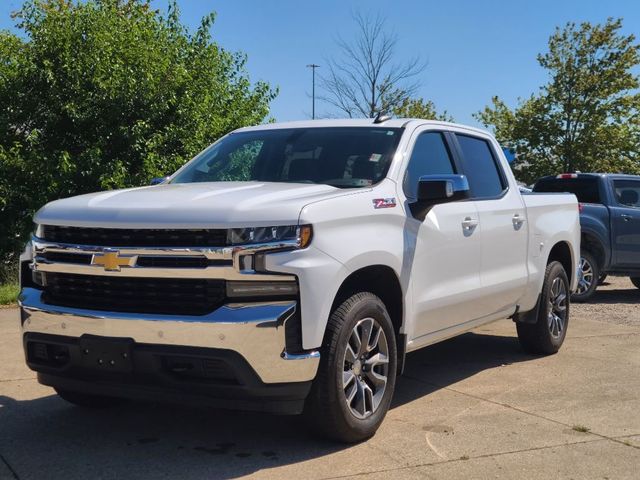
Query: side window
x=430 y=156
x=481 y=167
x=627 y=192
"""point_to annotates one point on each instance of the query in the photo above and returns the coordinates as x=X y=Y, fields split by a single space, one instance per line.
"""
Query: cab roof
x=360 y=122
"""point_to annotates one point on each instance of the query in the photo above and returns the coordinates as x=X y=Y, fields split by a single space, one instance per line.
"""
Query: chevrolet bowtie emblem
x=111 y=260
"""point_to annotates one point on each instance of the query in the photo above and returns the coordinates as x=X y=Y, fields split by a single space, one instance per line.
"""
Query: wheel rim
x=366 y=368
x=557 y=307
x=586 y=277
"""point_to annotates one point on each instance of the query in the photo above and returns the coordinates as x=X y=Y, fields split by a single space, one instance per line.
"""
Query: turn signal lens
x=305 y=233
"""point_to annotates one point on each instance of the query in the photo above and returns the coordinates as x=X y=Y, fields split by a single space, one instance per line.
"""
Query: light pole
x=313 y=67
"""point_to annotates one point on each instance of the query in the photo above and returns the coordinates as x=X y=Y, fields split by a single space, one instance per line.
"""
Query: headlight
x=254 y=235
x=38 y=230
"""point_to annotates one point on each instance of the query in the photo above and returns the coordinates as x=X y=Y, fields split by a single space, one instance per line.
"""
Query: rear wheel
x=89 y=401
x=589 y=276
x=548 y=333
x=356 y=377
x=635 y=281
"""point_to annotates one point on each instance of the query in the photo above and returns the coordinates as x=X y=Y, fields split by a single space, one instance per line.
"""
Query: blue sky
x=474 y=49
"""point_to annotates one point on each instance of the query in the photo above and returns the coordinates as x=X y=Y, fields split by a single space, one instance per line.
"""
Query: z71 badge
x=384 y=202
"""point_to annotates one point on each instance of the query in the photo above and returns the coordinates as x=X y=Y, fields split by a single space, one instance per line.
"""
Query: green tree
x=587 y=117
x=420 y=108
x=101 y=94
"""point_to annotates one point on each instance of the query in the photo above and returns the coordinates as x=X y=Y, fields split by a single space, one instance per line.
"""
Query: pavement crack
x=17 y=379
x=453 y=460
x=9 y=467
x=606 y=335
x=520 y=410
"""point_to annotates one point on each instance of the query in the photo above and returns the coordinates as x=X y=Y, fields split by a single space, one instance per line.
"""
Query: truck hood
x=194 y=205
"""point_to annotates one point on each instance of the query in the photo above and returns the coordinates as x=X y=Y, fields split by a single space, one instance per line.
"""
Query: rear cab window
x=485 y=176
x=586 y=189
x=627 y=192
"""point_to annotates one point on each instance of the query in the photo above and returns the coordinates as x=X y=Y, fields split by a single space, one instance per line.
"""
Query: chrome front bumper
x=256 y=331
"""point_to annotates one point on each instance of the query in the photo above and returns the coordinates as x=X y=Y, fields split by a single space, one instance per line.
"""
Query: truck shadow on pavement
x=48 y=438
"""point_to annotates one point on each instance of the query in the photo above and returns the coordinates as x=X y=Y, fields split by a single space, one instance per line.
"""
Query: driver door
x=445 y=266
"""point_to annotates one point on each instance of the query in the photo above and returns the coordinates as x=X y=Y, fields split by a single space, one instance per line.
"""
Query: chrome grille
x=145 y=261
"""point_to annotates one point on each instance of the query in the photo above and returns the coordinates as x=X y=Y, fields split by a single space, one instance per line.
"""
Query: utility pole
x=313 y=67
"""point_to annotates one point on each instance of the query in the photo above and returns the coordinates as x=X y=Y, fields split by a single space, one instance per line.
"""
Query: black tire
x=327 y=408
x=546 y=336
x=88 y=401
x=590 y=276
x=635 y=281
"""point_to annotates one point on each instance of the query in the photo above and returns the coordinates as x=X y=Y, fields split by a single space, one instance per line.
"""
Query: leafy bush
x=103 y=94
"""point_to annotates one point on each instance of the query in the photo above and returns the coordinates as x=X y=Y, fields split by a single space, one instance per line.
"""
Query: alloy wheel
x=557 y=307
x=586 y=277
x=366 y=368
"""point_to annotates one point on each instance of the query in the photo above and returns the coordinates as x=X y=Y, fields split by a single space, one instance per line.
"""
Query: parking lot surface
x=475 y=406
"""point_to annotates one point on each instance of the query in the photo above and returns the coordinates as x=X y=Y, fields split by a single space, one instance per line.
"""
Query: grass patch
x=9 y=293
x=581 y=428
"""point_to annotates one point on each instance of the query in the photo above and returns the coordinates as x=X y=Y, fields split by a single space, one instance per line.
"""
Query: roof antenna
x=381 y=117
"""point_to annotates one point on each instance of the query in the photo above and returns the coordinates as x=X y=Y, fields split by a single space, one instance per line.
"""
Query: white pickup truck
x=290 y=267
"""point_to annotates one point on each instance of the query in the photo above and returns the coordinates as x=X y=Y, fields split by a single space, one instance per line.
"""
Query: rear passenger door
x=625 y=223
x=502 y=225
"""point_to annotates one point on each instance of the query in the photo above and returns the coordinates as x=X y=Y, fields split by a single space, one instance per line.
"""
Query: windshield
x=339 y=156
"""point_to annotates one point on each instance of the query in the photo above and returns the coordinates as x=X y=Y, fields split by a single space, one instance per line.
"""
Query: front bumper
x=255 y=331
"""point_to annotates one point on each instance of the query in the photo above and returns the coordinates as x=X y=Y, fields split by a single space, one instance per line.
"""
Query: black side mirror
x=434 y=189
x=158 y=180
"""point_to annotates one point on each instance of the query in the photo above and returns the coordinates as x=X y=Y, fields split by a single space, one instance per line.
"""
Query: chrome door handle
x=626 y=217
x=469 y=223
x=517 y=221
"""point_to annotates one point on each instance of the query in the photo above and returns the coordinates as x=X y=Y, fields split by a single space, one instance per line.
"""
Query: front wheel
x=589 y=276
x=548 y=333
x=356 y=376
x=635 y=281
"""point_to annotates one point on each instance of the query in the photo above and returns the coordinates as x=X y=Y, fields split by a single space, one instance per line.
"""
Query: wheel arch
x=382 y=281
x=592 y=243
x=561 y=252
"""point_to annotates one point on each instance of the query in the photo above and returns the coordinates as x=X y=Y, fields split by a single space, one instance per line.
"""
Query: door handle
x=626 y=217
x=517 y=221
x=469 y=223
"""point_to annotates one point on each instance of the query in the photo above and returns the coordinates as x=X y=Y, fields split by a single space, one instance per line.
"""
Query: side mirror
x=158 y=180
x=434 y=189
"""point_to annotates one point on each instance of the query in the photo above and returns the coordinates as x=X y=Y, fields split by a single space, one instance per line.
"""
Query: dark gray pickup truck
x=610 y=223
